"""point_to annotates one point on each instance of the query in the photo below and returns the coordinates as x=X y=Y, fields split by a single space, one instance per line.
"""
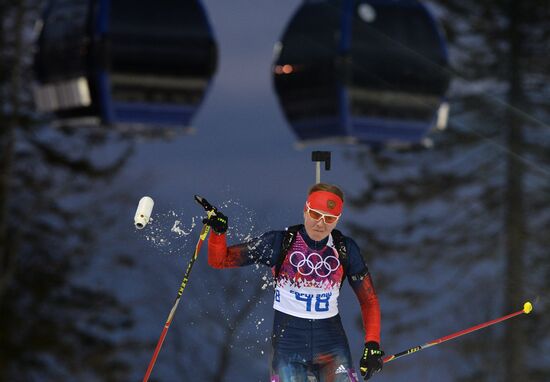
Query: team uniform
x=308 y=337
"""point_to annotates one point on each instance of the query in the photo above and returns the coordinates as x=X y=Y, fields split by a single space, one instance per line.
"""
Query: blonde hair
x=327 y=187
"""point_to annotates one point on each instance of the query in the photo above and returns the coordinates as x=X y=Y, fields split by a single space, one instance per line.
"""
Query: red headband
x=325 y=201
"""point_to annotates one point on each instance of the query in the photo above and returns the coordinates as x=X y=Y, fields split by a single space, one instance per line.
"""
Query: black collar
x=312 y=243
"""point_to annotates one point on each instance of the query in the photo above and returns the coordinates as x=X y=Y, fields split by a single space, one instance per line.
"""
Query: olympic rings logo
x=314 y=262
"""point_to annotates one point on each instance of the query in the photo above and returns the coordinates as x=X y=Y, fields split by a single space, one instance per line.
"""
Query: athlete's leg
x=289 y=372
x=332 y=357
x=291 y=349
x=335 y=367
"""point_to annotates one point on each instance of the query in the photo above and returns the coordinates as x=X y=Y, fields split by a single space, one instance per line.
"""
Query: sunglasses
x=318 y=215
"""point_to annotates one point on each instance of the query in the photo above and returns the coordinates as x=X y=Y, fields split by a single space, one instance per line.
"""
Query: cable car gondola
x=124 y=62
x=371 y=71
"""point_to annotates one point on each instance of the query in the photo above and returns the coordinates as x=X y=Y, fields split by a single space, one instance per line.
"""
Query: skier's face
x=316 y=227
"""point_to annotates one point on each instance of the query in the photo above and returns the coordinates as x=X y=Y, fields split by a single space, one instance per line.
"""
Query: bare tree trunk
x=8 y=252
x=224 y=356
x=514 y=346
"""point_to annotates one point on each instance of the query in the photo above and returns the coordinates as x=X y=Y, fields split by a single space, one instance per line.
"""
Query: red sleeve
x=219 y=256
x=370 y=308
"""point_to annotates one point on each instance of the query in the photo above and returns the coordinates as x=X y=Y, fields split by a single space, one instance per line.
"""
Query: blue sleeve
x=357 y=267
x=264 y=249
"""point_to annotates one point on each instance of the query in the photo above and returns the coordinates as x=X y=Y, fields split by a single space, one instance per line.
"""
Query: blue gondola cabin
x=370 y=71
x=124 y=62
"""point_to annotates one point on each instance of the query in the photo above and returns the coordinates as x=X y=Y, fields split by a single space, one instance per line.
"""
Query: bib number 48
x=321 y=301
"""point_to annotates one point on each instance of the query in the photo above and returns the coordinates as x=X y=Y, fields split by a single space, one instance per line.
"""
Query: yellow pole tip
x=527 y=307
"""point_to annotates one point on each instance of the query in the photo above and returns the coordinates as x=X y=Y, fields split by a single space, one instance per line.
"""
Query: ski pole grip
x=204 y=203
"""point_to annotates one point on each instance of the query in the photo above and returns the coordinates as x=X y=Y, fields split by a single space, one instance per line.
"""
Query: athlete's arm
x=361 y=283
x=370 y=308
x=260 y=250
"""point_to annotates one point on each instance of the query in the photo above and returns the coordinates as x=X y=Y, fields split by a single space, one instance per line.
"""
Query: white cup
x=143 y=212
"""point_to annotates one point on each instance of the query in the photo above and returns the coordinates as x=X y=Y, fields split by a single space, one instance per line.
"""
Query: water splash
x=170 y=232
x=180 y=231
x=175 y=232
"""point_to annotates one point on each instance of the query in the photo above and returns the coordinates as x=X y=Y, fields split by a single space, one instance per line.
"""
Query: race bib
x=309 y=281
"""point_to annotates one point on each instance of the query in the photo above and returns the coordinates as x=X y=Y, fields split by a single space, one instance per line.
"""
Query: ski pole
x=527 y=308
x=204 y=232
